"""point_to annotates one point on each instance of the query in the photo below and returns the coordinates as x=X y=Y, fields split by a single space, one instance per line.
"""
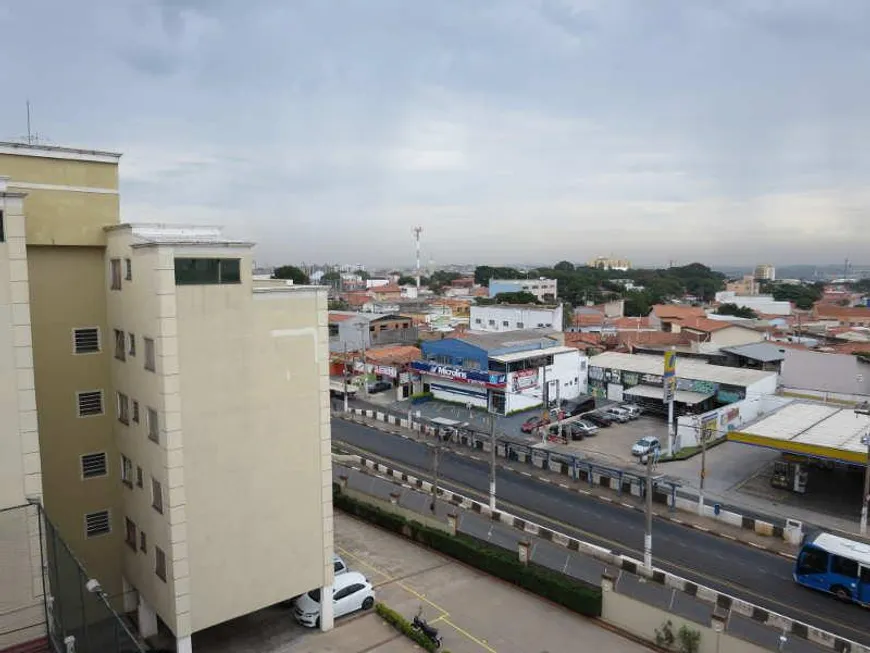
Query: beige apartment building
x=183 y=413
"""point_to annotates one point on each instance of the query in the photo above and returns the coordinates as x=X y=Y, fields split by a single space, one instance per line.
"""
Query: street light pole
x=864 y=409
x=703 y=435
x=647 y=538
x=491 y=461
x=362 y=343
x=344 y=369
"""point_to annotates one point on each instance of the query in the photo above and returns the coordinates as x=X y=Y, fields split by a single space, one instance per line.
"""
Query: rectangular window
x=126 y=471
x=150 y=356
x=505 y=323
x=160 y=563
x=132 y=350
x=143 y=542
x=156 y=495
x=97 y=523
x=139 y=482
x=94 y=465
x=153 y=425
x=333 y=330
x=844 y=567
x=86 y=341
x=135 y=411
x=520 y=325
x=116 y=273
x=123 y=408
x=130 y=533
x=207 y=271
x=128 y=269
x=90 y=403
x=120 y=345
x=477 y=320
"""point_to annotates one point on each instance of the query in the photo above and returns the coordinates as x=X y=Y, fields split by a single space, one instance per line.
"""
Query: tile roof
x=335 y=318
x=388 y=288
x=393 y=354
x=628 y=323
x=588 y=319
x=706 y=325
x=655 y=338
x=832 y=310
x=677 y=311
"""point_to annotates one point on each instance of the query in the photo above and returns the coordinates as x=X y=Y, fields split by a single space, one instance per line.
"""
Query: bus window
x=844 y=567
x=865 y=575
x=813 y=561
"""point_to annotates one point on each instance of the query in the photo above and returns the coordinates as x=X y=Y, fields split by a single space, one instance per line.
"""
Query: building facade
x=609 y=263
x=502 y=373
x=164 y=380
x=765 y=272
x=513 y=317
x=762 y=304
x=544 y=290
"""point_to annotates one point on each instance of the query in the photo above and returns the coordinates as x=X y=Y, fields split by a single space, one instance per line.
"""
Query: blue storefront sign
x=477 y=377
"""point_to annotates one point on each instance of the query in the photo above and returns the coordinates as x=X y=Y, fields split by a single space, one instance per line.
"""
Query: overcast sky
x=726 y=131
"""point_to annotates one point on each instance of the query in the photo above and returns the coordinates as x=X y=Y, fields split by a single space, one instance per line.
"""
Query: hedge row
x=583 y=598
x=401 y=624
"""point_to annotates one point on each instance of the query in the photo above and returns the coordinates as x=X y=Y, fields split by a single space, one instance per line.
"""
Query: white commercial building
x=513 y=317
x=544 y=290
x=765 y=304
x=222 y=422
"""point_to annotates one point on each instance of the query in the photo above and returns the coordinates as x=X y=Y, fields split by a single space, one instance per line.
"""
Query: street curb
x=663 y=516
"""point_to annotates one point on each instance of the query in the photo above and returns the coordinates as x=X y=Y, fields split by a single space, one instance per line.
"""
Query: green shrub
x=580 y=597
x=401 y=624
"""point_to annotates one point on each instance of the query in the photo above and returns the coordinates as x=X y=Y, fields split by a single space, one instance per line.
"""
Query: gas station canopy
x=816 y=430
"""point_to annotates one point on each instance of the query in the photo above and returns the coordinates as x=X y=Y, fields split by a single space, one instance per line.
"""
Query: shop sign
x=613 y=376
x=596 y=373
x=651 y=379
x=386 y=370
x=630 y=378
x=669 y=378
x=701 y=387
x=476 y=377
x=525 y=379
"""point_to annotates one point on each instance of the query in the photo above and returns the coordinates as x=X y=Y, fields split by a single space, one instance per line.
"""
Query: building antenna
x=417 y=231
x=29 y=133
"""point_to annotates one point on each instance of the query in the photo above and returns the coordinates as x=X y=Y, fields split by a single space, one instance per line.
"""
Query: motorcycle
x=431 y=632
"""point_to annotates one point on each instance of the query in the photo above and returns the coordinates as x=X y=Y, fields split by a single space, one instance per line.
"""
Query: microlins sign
x=474 y=377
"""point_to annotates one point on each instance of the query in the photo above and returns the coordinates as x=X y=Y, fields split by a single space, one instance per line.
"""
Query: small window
x=143 y=542
x=130 y=533
x=505 y=323
x=153 y=425
x=520 y=325
x=86 y=341
x=156 y=495
x=94 y=465
x=97 y=523
x=844 y=567
x=123 y=408
x=813 y=561
x=139 y=482
x=477 y=320
x=116 y=273
x=207 y=271
x=333 y=330
x=126 y=471
x=135 y=411
x=160 y=563
x=128 y=269
x=120 y=345
x=90 y=403
x=132 y=349
x=150 y=356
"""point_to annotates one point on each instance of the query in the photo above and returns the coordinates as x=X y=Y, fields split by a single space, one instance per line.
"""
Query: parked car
x=646 y=445
x=634 y=411
x=598 y=419
x=339 y=565
x=583 y=429
x=617 y=414
x=351 y=591
x=533 y=423
x=379 y=386
x=578 y=406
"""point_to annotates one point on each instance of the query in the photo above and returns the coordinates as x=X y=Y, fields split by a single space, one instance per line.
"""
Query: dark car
x=380 y=386
x=598 y=419
x=534 y=423
x=578 y=406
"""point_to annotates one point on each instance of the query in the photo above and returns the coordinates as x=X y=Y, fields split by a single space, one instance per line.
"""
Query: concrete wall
x=642 y=620
x=733 y=336
x=728 y=418
x=255 y=422
x=517 y=317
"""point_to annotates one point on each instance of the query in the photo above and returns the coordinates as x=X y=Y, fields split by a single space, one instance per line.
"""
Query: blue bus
x=835 y=565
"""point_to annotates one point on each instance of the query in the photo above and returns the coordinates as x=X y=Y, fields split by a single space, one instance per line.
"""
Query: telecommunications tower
x=417 y=231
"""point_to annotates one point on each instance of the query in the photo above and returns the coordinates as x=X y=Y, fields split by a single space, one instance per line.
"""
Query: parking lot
x=612 y=445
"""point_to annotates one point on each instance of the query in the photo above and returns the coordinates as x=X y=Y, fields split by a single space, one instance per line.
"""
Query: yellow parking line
x=444 y=613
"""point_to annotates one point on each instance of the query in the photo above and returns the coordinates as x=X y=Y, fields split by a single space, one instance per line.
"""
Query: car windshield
x=646 y=442
x=314 y=595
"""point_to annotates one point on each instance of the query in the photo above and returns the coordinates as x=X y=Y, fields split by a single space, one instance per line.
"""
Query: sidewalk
x=682 y=517
x=474 y=612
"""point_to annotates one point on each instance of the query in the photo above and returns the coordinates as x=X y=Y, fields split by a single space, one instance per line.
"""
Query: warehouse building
x=502 y=372
x=514 y=317
x=543 y=289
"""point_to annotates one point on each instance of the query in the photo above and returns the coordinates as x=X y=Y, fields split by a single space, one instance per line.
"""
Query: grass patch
x=404 y=626
x=689 y=452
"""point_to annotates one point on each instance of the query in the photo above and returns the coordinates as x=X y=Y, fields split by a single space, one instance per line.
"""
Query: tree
x=483 y=273
x=803 y=295
x=293 y=273
x=567 y=316
x=521 y=297
x=331 y=276
x=736 y=311
x=564 y=266
x=405 y=280
x=637 y=304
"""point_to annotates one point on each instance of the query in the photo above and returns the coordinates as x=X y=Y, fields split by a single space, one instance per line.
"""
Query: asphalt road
x=755 y=576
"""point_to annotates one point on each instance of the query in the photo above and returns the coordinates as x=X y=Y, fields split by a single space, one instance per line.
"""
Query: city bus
x=836 y=565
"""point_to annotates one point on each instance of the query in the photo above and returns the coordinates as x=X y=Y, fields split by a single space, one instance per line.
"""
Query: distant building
x=543 y=289
x=513 y=317
x=746 y=286
x=667 y=317
x=762 y=304
x=765 y=272
x=605 y=263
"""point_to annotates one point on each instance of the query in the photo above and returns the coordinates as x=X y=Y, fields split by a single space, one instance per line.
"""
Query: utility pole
x=362 y=342
x=670 y=389
x=344 y=367
x=492 y=461
x=437 y=455
x=864 y=409
x=703 y=436
x=647 y=538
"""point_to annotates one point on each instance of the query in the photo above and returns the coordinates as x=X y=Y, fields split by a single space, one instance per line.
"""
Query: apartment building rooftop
x=151 y=235
x=58 y=152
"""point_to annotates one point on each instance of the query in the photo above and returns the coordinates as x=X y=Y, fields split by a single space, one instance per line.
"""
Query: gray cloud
x=510 y=130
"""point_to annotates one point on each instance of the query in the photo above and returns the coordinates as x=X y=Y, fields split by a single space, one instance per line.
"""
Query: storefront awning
x=658 y=392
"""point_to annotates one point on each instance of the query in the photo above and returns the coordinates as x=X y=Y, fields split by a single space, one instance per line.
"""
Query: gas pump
x=790 y=476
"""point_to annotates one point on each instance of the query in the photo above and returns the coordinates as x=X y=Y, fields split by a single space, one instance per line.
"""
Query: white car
x=646 y=445
x=617 y=414
x=351 y=591
x=339 y=566
x=634 y=411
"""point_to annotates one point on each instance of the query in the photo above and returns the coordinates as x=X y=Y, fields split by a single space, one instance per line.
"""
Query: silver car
x=634 y=411
x=617 y=414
